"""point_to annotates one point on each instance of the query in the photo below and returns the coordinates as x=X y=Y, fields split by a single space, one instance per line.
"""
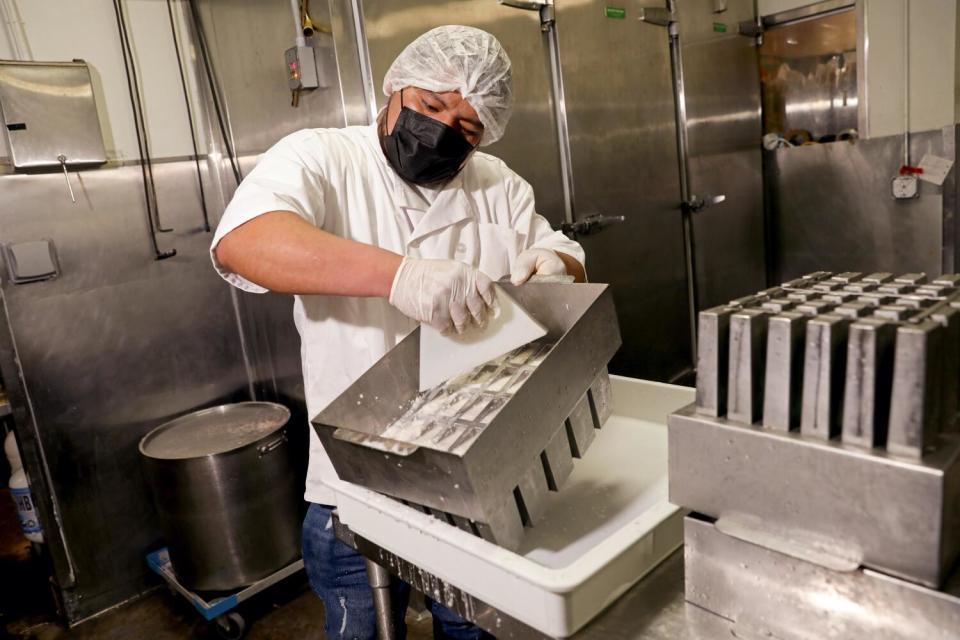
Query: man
x=375 y=229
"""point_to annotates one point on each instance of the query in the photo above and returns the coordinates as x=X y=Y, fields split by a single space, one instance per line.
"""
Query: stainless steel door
x=620 y=116
x=619 y=102
x=529 y=146
x=246 y=41
x=722 y=89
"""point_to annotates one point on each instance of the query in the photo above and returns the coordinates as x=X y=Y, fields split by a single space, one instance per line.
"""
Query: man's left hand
x=537 y=261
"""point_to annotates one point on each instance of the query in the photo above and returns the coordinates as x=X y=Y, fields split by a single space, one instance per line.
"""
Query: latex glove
x=537 y=261
x=445 y=294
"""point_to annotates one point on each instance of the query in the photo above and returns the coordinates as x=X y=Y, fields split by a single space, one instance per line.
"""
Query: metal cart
x=229 y=623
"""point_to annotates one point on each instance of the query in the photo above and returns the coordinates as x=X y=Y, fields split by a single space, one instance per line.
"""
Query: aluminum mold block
x=480 y=477
x=745 y=583
x=889 y=514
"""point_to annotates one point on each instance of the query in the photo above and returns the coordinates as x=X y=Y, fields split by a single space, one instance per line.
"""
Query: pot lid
x=212 y=431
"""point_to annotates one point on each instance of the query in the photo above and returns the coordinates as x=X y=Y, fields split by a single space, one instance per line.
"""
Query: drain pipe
x=906 y=83
x=297 y=25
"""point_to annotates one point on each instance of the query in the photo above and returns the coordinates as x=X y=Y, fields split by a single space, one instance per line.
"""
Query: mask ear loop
x=396 y=141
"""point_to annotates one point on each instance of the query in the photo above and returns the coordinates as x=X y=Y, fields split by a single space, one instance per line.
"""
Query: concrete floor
x=289 y=611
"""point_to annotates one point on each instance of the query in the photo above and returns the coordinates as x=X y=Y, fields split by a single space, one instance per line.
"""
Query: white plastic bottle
x=13 y=454
x=23 y=498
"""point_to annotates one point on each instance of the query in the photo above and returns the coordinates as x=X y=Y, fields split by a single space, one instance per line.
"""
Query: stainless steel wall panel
x=247 y=41
x=529 y=146
x=118 y=344
x=831 y=208
x=622 y=136
x=722 y=88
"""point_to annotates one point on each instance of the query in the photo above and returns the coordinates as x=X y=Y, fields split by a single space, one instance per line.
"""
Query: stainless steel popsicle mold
x=482 y=450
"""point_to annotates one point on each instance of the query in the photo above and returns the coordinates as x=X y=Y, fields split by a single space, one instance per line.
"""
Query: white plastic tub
x=609 y=525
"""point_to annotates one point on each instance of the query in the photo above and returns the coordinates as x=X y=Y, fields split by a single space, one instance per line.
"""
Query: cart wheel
x=231 y=626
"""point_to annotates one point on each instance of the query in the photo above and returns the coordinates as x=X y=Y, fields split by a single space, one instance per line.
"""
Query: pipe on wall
x=297 y=27
x=16 y=31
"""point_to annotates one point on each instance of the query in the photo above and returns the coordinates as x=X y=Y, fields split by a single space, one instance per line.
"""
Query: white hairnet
x=464 y=59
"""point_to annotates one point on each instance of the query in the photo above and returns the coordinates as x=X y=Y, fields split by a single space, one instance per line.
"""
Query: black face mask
x=423 y=150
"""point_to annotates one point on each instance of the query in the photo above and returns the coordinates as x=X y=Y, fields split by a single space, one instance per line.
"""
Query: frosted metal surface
x=451 y=416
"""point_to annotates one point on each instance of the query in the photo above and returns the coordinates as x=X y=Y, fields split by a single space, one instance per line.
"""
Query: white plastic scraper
x=443 y=357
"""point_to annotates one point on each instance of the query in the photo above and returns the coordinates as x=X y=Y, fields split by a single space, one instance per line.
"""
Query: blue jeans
x=338 y=575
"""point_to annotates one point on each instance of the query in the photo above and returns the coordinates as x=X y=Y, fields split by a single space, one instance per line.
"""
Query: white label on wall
x=935 y=169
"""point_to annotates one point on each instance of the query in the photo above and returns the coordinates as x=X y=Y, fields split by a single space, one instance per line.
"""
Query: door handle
x=530 y=5
x=545 y=7
x=697 y=204
x=659 y=16
x=590 y=225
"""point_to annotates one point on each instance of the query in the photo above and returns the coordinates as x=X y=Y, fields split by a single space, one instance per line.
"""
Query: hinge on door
x=545 y=7
x=590 y=224
x=697 y=204
x=750 y=29
x=530 y=5
x=658 y=16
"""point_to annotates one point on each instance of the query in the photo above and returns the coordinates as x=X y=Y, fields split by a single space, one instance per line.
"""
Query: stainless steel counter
x=655 y=609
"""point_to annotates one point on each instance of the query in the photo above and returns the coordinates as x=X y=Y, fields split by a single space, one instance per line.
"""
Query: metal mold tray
x=484 y=450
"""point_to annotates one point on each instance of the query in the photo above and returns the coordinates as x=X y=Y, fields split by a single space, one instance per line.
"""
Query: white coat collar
x=450 y=207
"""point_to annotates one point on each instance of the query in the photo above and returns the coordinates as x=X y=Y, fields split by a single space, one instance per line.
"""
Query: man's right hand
x=446 y=294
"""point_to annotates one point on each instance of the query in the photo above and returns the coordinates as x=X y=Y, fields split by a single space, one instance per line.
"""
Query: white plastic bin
x=609 y=525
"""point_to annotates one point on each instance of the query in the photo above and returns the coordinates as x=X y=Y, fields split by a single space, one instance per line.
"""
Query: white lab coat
x=339 y=180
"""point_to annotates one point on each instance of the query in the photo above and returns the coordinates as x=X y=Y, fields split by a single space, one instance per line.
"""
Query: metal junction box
x=49 y=115
x=482 y=451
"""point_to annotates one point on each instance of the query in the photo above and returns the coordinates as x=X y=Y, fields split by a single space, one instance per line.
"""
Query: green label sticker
x=719 y=27
x=615 y=12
